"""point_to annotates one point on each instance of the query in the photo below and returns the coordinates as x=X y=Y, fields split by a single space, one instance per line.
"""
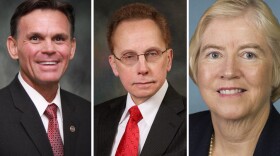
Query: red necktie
x=53 y=130
x=130 y=140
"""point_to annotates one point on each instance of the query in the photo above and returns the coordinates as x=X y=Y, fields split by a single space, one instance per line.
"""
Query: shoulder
x=171 y=92
x=11 y=91
x=200 y=132
x=107 y=105
x=4 y=92
x=174 y=100
x=65 y=95
x=199 y=120
x=200 y=116
x=7 y=89
x=269 y=140
x=81 y=105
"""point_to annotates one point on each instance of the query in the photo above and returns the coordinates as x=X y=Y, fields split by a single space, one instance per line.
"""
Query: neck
x=48 y=91
x=238 y=137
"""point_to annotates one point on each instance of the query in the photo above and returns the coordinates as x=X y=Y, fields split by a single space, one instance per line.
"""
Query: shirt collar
x=39 y=101
x=148 y=108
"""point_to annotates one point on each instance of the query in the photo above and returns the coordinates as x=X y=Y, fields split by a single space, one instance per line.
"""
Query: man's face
x=43 y=46
x=142 y=79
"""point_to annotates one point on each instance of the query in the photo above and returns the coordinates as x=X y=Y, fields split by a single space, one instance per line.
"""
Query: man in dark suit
x=139 y=40
x=37 y=116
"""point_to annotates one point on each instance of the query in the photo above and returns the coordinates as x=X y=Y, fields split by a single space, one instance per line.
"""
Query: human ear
x=113 y=65
x=73 y=48
x=169 y=59
x=12 y=47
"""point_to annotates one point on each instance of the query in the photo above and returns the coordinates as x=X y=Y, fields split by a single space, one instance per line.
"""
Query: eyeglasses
x=131 y=58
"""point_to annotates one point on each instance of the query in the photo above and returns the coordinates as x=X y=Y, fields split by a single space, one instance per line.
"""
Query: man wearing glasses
x=151 y=118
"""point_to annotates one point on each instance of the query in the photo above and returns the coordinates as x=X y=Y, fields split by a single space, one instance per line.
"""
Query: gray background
x=106 y=85
x=196 y=9
x=77 y=78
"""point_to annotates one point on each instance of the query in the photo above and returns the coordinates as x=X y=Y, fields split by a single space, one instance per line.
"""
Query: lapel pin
x=72 y=129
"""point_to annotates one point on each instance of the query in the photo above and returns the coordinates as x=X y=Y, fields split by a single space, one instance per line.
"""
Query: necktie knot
x=135 y=114
x=50 y=111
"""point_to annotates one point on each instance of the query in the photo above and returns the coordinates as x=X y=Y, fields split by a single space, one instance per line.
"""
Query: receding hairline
x=138 y=20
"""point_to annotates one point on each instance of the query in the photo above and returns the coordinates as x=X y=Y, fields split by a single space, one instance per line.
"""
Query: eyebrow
x=33 y=34
x=213 y=46
x=249 y=45
x=41 y=35
x=148 y=49
x=65 y=36
x=252 y=45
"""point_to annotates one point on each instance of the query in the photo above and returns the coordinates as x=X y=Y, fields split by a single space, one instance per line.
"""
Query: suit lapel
x=269 y=140
x=30 y=119
x=165 y=125
x=108 y=127
x=70 y=125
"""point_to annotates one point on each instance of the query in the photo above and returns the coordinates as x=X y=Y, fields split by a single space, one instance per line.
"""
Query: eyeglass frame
x=140 y=55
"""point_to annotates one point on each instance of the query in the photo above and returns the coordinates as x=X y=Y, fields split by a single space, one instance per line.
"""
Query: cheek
x=64 y=51
x=125 y=75
x=164 y=66
x=26 y=52
x=260 y=78
x=205 y=74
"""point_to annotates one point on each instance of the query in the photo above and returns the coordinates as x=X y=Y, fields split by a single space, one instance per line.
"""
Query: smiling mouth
x=231 y=91
x=49 y=63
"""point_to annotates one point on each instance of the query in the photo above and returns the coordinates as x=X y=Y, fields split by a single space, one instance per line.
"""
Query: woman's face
x=234 y=68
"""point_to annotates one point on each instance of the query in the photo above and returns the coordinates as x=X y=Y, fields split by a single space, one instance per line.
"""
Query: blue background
x=196 y=9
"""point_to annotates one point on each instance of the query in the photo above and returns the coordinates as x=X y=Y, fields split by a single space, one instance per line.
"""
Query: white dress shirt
x=148 y=109
x=41 y=104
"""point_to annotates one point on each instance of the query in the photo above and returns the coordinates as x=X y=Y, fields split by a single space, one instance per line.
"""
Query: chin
x=49 y=80
x=231 y=115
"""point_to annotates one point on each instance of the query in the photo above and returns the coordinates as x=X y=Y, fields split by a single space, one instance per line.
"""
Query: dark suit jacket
x=22 y=132
x=201 y=129
x=167 y=135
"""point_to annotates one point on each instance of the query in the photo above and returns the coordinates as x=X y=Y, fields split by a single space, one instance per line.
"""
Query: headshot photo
x=45 y=78
x=146 y=107
x=77 y=78
x=106 y=85
x=196 y=9
x=234 y=64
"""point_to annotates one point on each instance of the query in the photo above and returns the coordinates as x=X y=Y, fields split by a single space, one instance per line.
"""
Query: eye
x=152 y=53
x=249 y=55
x=129 y=55
x=214 y=55
x=59 y=38
x=34 y=39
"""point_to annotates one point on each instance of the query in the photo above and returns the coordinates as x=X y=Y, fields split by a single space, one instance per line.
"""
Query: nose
x=142 y=66
x=48 y=47
x=230 y=69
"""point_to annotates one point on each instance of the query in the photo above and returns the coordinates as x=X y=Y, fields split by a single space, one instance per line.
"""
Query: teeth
x=232 y=91
x=48 y=63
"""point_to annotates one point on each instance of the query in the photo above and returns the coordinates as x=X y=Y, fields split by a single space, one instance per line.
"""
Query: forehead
x=133 y=25
x=229 y=29
x=42 y=19
x=136 y=33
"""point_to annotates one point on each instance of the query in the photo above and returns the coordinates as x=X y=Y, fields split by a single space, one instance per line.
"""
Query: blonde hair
x=260 y=15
